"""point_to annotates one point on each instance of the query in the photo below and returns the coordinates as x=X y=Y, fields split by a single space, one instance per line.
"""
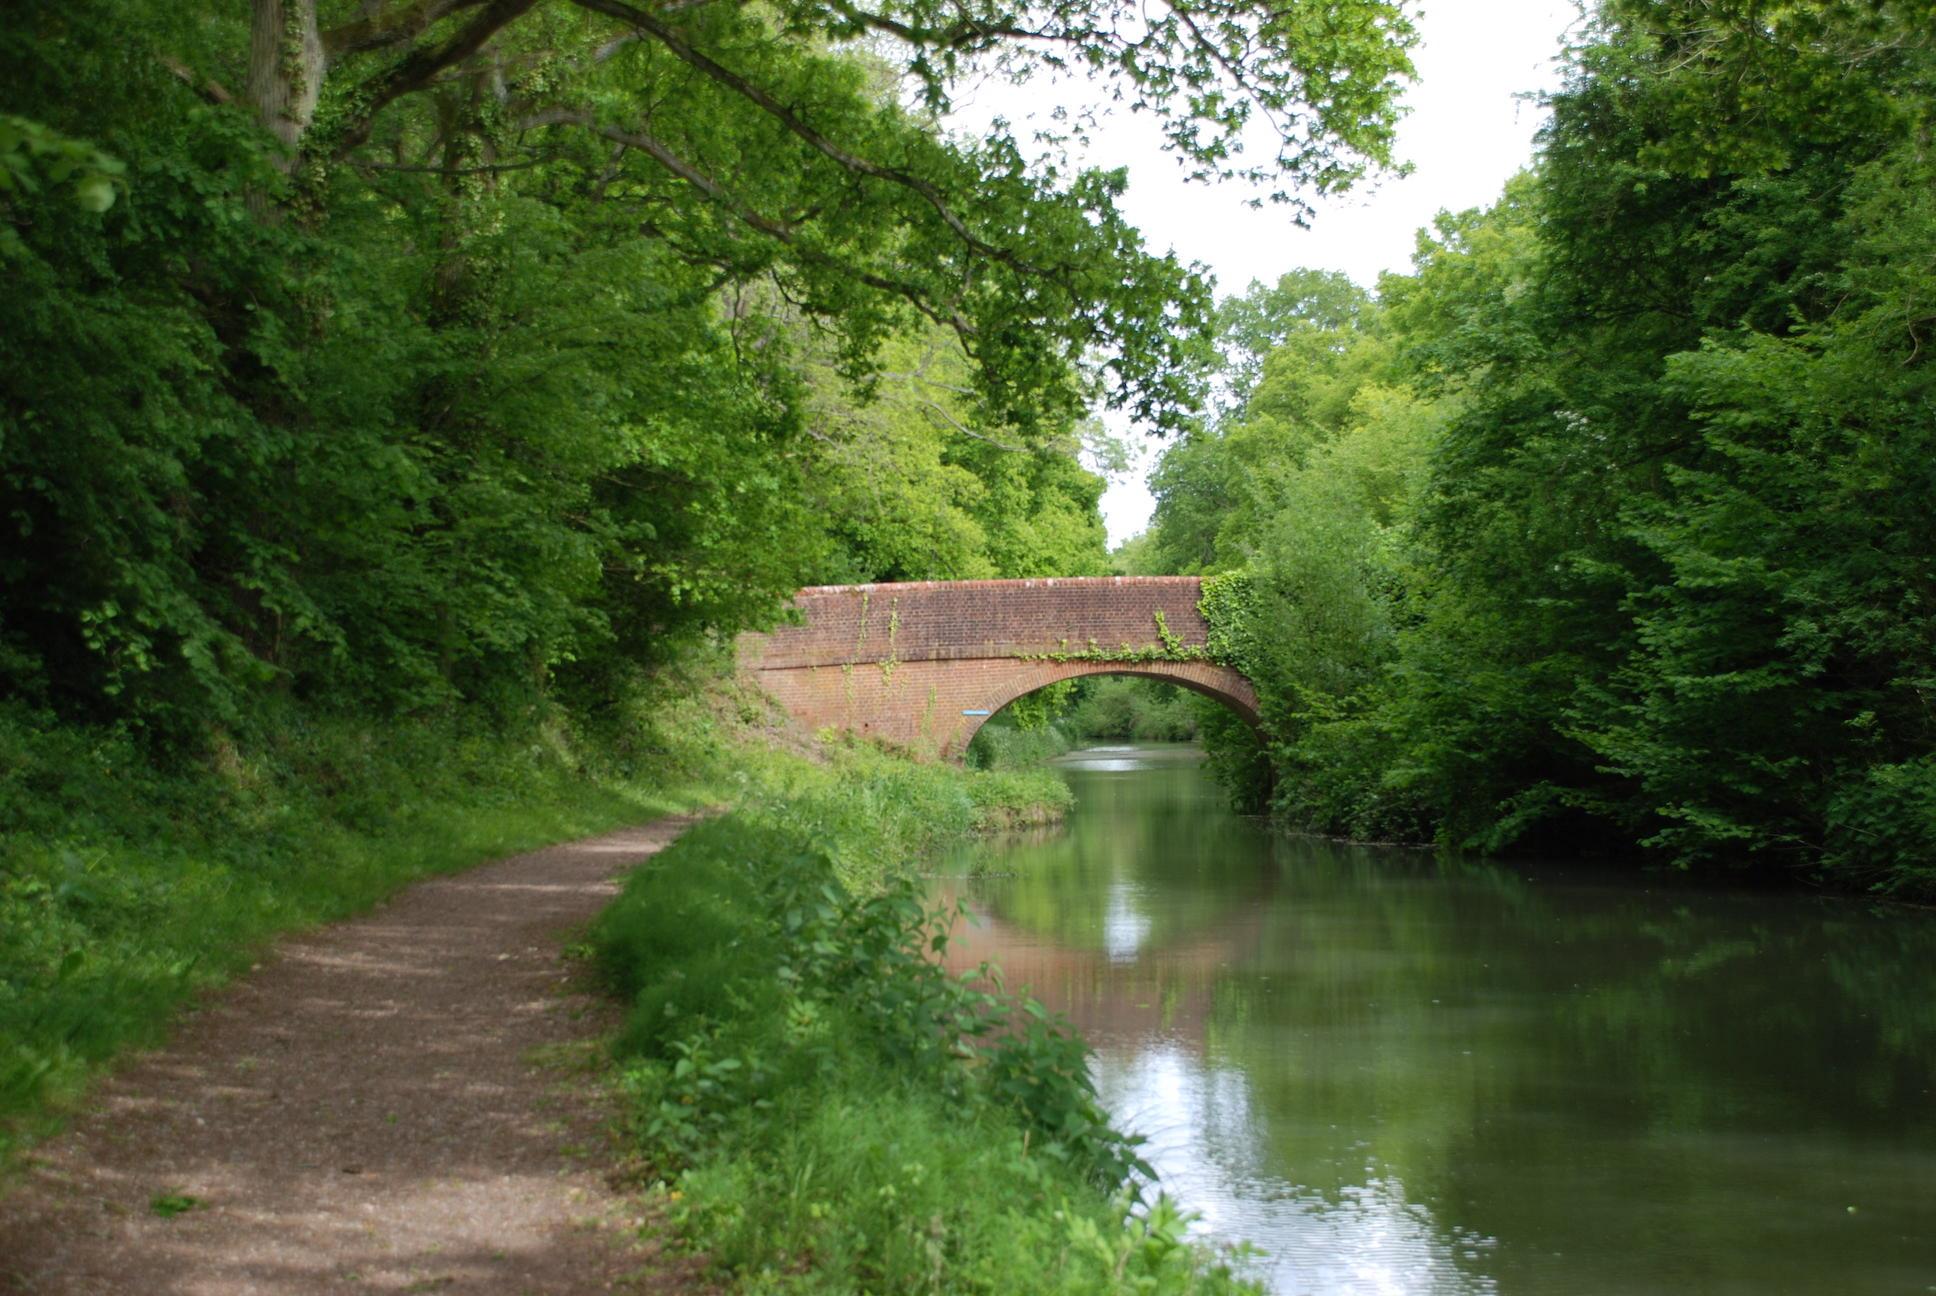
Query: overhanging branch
x=380 y=30
x=781 y=231
x=794 y=123
x=417 y=69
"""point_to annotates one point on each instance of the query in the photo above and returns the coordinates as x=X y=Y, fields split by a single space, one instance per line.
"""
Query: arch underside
x=935 y=707
x=1220 y=683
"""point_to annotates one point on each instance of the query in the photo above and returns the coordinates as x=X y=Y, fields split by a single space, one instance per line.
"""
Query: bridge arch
x=1221 y=683
x=923 y=665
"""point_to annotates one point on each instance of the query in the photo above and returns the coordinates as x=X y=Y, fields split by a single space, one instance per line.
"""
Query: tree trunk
x=285 y=70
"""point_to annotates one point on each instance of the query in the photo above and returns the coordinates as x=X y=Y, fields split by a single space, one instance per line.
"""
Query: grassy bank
x=1000 y=745
x=829 y=1110
x=128 y=885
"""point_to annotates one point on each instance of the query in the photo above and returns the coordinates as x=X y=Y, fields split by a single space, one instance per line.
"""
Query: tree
x=1317 y=305
x=1609 y=526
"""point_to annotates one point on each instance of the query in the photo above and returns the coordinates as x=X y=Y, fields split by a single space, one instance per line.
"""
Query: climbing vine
x=1227 y=603
x=1229 y=608
x=860 y=640
x=1171 y=649
x=892 y=660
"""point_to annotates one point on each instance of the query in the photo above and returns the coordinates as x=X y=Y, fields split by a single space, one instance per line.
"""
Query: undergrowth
x=836 y=1112
x=998 y=745
x=833 y=1112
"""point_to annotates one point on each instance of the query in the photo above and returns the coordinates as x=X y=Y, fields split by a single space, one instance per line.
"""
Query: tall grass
x=876 y=814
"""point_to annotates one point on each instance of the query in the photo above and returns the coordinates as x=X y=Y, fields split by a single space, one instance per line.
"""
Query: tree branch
x=376 y=31
x=433 y=169
x=418 y=68
x=780 y=231
x=207 y=87
x=963 y=34
x=766 y=103
x=942 y=419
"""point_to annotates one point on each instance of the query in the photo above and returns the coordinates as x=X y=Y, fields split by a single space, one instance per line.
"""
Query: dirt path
x=366 y=1113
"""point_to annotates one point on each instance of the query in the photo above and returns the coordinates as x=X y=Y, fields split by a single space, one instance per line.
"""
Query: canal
x=1394 y=1075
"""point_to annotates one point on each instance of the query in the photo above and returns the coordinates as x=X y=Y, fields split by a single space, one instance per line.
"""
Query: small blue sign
x=973 y=712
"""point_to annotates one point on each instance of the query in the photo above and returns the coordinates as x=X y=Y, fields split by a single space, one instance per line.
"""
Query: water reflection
x=1400 y=1077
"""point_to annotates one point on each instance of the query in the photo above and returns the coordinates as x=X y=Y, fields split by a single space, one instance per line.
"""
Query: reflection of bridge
x=1169 y=988
x=922 y=665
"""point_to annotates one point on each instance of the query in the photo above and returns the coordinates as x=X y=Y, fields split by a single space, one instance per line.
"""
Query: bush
x=1882 y=829
x=1133 y=709
x=998 y=745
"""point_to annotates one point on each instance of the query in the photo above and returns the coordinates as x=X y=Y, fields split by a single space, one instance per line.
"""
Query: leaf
x=95 y=193
x=169 y=1205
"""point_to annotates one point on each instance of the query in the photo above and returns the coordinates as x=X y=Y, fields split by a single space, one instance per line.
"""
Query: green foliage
x=1000 y=744
x=508 y=350
x=914 y=486
x=1136 y=556
x=1140 y=710
x=1229 y=607
x=1610 y=523
x=1236 y=756
x=169 y=1205
x=831 y=1110
x=1301 y=317
x=32 y=155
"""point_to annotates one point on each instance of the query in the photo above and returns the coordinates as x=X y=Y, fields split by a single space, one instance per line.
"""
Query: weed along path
x=379 y=1108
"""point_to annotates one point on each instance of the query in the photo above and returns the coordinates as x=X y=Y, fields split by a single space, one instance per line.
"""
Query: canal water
x=1398 y=1076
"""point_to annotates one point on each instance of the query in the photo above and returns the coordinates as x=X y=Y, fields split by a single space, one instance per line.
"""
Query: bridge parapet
x=960 y=620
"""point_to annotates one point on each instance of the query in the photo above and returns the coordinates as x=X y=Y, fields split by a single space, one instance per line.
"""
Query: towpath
x=378 y=1108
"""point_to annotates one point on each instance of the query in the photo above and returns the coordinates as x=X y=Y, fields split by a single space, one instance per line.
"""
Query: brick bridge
x=922 y=665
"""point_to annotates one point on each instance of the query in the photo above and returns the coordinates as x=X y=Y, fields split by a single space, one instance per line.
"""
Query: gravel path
x=371 y=1111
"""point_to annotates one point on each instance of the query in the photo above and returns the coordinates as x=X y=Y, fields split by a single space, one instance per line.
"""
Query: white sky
x=1467 y=132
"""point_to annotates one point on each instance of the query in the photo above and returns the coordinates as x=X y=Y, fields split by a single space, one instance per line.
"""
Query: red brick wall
x=914 y=664
x=947 y=620
x=924 y=706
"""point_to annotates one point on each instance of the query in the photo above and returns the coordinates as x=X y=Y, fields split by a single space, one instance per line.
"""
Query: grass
x=828 y=1110
x=128 y=886
x=999 y=745
x=169 y=1205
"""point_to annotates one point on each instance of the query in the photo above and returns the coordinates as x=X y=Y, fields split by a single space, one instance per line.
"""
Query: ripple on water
x=1201 y=1132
